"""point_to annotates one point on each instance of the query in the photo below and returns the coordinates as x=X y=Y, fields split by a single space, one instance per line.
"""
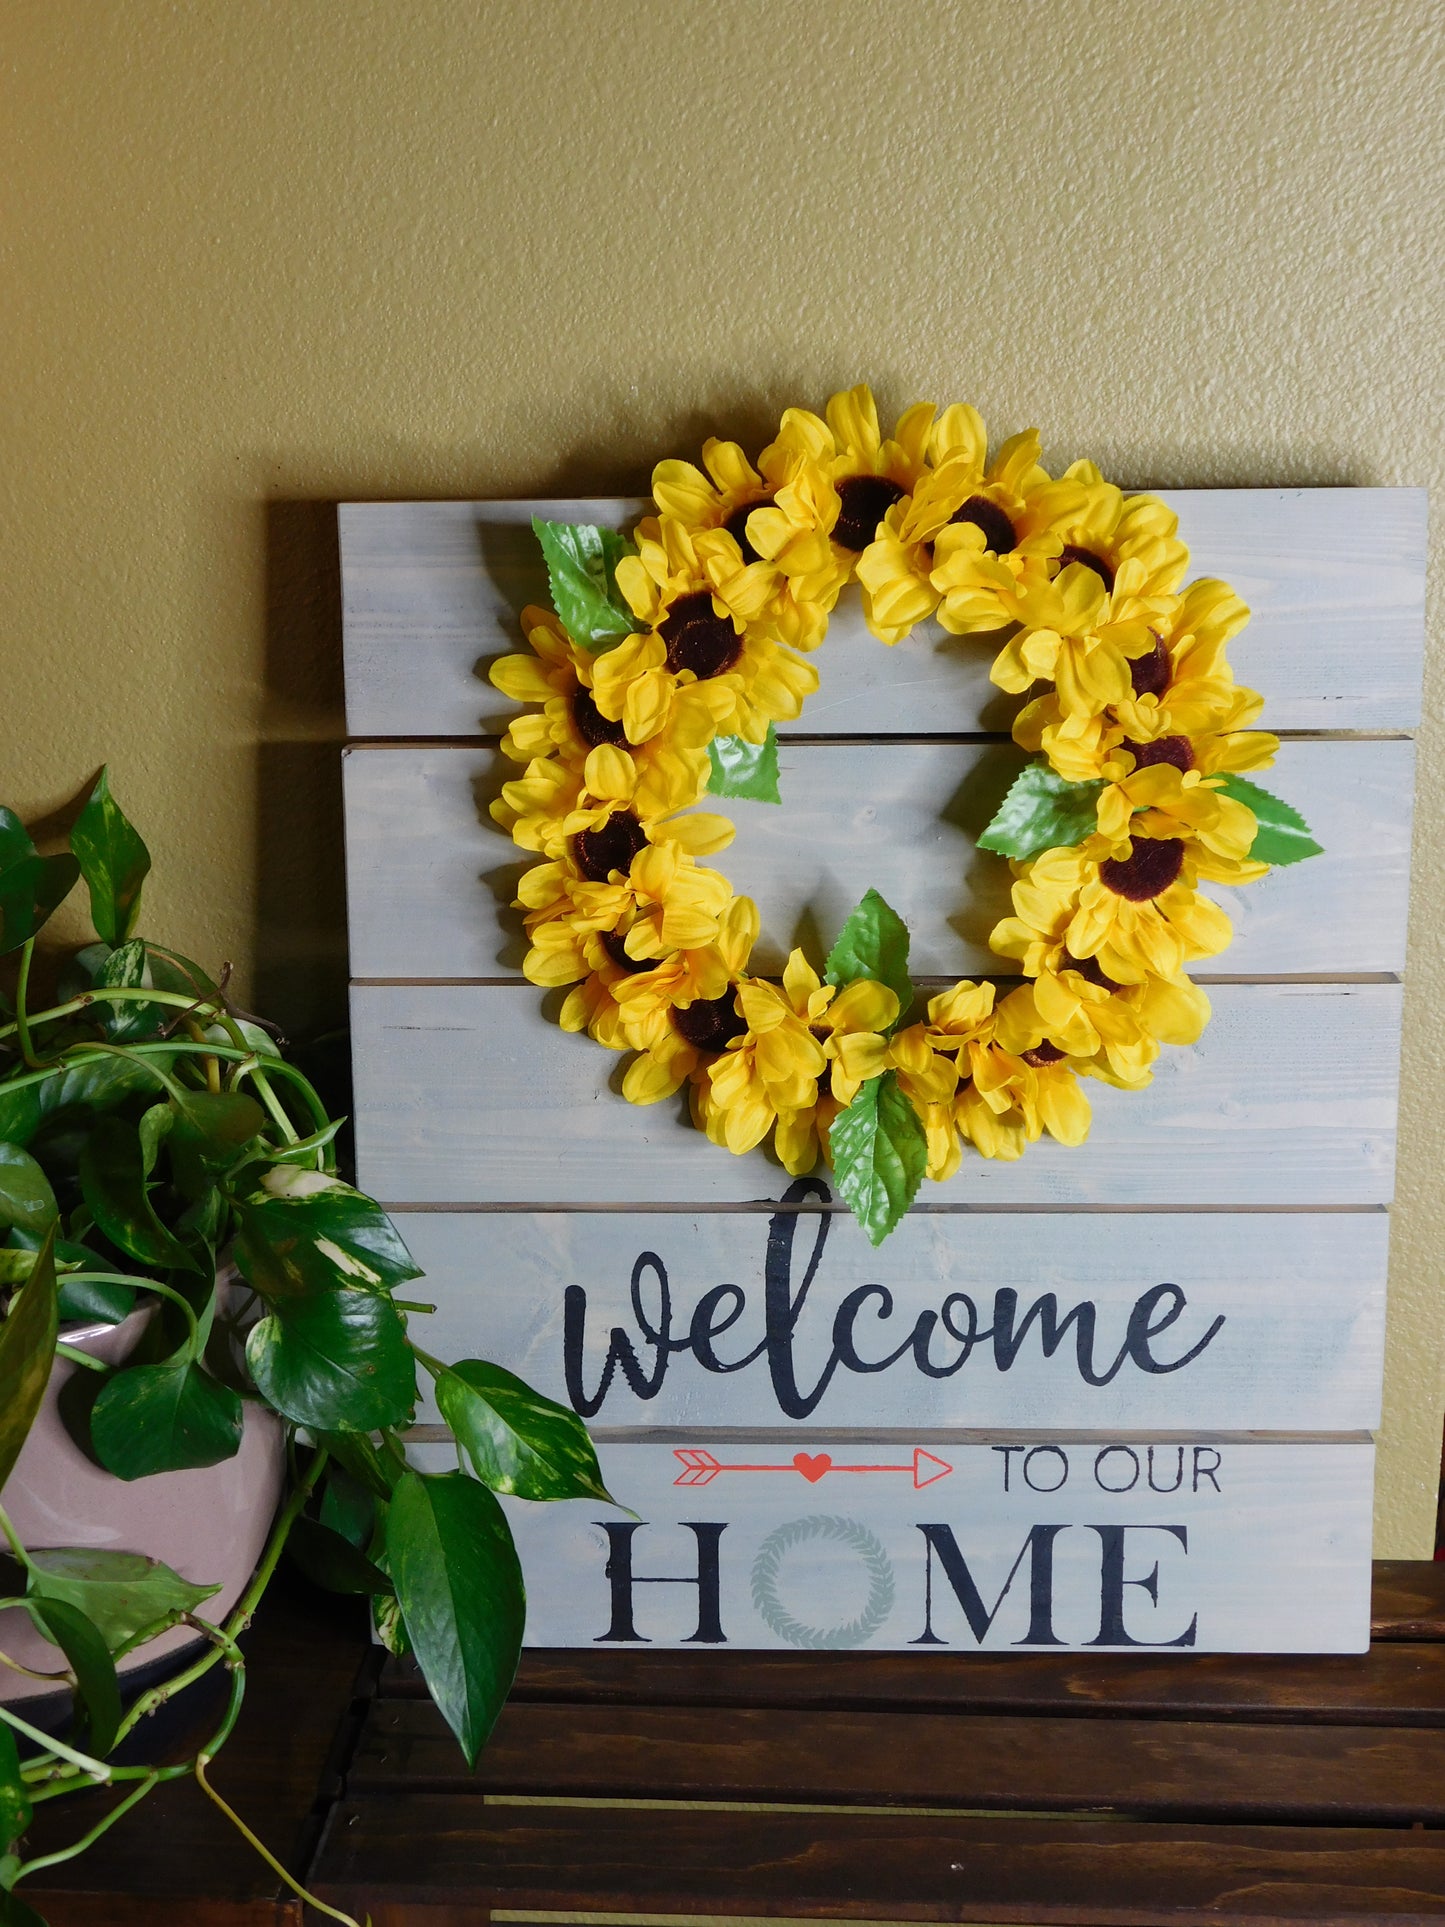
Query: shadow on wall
x=299 y=971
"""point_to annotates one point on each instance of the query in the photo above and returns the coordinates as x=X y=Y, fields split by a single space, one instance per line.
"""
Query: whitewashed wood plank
x=599 y=1310
x=1264 y=1547
x=1335 y=577
x=468 y=1094
x=429 y=876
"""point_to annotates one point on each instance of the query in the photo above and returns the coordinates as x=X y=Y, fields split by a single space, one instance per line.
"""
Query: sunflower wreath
x=660 y=675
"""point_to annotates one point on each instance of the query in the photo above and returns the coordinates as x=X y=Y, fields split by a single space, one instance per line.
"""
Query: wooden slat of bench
x=438 y=1850
x=1408 y=1599
x=1163 y=1768
x=1390 y=1685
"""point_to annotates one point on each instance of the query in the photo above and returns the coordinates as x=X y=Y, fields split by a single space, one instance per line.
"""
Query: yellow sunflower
x=1082 y=637
x=868 y=472
x=1102 y=529
x=1184 y=706
x=610 y=806
x=698 y=604
x=1080 y=1019
x=1137 y=916
x=797 y=1033
x=963 y=513
x=779 y=517
x=659 y=902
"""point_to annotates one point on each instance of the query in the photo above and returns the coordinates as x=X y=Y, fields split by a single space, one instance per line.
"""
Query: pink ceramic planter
x=209 y=1524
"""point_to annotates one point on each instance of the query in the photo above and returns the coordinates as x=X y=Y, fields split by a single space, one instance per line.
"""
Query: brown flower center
x=710 y=1023
x=616 y=947
x=1090 y=561
x=999 y=536
x=599 y=852
x=1150 y=673
x=1090 y=969
x=698 y=638
x=1175 y=750
x=1044 y=1053
x=863 y=501
x=1146 y=874
x=737 y=527
x=592 y=726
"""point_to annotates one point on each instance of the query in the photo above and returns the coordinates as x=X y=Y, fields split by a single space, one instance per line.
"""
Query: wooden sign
x=1114 y=1396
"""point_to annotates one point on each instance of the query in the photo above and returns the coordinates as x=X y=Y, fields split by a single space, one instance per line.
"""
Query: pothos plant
x=158 y=1150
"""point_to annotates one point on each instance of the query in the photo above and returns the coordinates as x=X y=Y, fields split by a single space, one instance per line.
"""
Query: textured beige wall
x=256 y=255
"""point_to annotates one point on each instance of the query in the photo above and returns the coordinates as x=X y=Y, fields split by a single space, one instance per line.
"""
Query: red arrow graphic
x=699 y=1467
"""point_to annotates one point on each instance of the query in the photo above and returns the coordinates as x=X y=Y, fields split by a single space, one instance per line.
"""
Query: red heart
x=811 y=1467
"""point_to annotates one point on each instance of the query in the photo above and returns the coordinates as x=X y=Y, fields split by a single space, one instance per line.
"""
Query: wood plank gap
x=515 y=982
x=801 y=738
x=947 y=1435
x=770 y=1206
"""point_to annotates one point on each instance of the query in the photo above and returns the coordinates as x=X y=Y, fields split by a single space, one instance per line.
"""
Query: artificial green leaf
x=582 y=570
x=741 y=768
x=31 y=885
x=27 y=1352
x=319 y=1235
x=112 y=1179
x=209 y=1132
x=124 y=1019
x=450 y=1553
x=113 y=860
x=337 y=1361
x=1283 y=835
x=15 y=1808
x=879 y=1151
x=873 y=943
x=26 y=1199
x=123 y=1594
x=1042 y=812
x=332 y=1561
x=517 y=1441
x=164 y=1418
x=88 y=1657
x=93 y=1084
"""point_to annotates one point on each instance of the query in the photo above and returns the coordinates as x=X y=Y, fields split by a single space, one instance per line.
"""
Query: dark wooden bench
x=1023 y=1788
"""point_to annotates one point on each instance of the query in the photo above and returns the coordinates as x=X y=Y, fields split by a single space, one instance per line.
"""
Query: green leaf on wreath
x=1283 y=835
x=582 y=570
x=741 y=768
x=873 y=943
x=879 y=1151
x=1042 y=812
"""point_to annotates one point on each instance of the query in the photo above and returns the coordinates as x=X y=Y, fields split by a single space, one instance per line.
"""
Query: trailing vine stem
x=61 y=1768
